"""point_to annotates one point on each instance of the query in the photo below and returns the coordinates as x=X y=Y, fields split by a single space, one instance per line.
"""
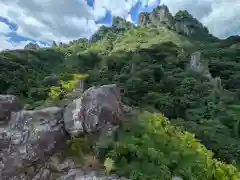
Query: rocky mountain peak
x=183 y=22
x=186 y=24
x=162 y=15
x=143 y=18
x=120 y=23
x=31 y=46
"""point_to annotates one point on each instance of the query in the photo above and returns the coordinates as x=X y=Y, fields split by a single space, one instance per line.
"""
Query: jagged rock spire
x=183 y=22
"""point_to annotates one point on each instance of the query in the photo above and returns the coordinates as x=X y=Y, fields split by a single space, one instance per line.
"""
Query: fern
x=109 y=165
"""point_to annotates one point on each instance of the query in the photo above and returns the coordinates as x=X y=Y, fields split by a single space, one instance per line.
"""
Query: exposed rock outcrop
x=186 y=24
x=143 y=18
x=31 y=136
x=8 y=104
x=120 y=23
x=97 y=107
x=161 y=15
x=29 y=139
x=183 y=22
x=77 y=174
x=198 y=65
x=32 y=46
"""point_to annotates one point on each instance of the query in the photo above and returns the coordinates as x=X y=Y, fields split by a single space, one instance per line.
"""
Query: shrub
x=151 y=148
x=59 y=92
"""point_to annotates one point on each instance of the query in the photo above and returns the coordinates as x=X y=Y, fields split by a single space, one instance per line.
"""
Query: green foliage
x=109 y=165
x=59 y=92
x=22 y=72
x=151 y=148
x=79 y=146
x=156 y=78
x=149 y=64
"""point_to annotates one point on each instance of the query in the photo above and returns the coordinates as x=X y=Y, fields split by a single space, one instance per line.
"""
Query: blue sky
x=42 y=21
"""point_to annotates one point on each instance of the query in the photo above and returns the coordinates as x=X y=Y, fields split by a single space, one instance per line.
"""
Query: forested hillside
x=156 y=70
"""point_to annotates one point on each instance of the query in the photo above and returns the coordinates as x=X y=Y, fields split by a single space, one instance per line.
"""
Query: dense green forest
x=152 y=66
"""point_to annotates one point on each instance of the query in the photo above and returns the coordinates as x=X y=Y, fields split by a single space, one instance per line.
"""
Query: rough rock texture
x=162 y=15
x=31 y=136
x=143 y=18
x=183 y=22
x=120 y=23
x=74 y=94
x=8 y=104
x=32 y=46
x=63 y=45
x=28 y=139
x=97 y=107
x=65 y=169
x=188 y=25
x=197 y=65
x=78 y=174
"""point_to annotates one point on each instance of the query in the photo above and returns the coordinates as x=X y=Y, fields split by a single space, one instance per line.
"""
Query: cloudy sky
x=42 y=21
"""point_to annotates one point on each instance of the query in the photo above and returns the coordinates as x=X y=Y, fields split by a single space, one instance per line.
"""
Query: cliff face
x=120 y=23
x=143 y=18
x=158 y=16
x=186 y=24
x=182 y=22
x=162 y=15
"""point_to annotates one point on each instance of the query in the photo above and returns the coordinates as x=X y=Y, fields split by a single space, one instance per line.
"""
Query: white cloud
x=222 y=17
x=64 y=20
x=61 y=20
x=117 y=8
x=6 y=43
x=129 y=18
x=48 y=20
x=150 y=3
x=4 y=29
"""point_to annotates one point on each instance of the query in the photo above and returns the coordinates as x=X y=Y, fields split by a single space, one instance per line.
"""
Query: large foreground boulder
x=96 y=107
x=31 y=136
x=28 y=139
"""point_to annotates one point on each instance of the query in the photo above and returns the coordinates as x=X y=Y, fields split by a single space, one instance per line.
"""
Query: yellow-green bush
x=151 y=148
x=58 y=92
x=69 y=85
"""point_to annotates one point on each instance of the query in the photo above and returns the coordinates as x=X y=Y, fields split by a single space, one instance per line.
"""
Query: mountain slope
x=156 y=71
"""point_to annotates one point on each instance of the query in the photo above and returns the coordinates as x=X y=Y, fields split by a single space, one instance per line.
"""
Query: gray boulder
x=96 y=107
x=8 y=104
x=31 y=136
